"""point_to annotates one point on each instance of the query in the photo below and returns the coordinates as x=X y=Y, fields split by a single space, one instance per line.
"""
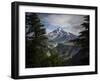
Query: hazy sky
x=69 y=23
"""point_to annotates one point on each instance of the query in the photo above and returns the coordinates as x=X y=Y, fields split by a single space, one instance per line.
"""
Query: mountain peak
x=59 y=28
x=59 y=35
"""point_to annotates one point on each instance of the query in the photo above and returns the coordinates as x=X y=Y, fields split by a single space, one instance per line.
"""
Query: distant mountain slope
x=60 y=36
x=60 y=41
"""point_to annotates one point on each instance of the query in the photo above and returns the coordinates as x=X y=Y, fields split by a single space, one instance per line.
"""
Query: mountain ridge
x=59 y=35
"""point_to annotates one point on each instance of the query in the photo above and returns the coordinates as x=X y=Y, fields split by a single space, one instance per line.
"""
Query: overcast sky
x=68 y=22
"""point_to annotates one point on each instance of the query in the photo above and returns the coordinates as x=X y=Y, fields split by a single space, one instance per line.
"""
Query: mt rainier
x=59 y=35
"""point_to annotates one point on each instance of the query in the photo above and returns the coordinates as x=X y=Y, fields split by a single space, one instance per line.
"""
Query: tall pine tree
x=36 y=46
x=82 y=57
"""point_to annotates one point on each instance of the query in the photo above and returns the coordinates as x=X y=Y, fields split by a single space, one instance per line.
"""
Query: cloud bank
x=68 y=22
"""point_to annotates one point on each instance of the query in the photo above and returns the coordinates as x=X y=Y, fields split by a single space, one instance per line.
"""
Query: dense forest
x=42 y=53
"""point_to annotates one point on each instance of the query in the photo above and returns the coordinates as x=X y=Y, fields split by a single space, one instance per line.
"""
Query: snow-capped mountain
x=59 y=35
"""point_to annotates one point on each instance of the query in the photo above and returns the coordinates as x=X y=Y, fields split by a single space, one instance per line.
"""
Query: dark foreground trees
x=82 y=57
x=35 y=41
x=37 y=46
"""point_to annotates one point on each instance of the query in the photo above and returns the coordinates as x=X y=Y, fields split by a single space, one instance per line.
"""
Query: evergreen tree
x=36 y=46
x=84 y=35
x=82 y=57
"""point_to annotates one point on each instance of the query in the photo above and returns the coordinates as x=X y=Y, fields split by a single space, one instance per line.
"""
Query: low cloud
x=70 y=23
